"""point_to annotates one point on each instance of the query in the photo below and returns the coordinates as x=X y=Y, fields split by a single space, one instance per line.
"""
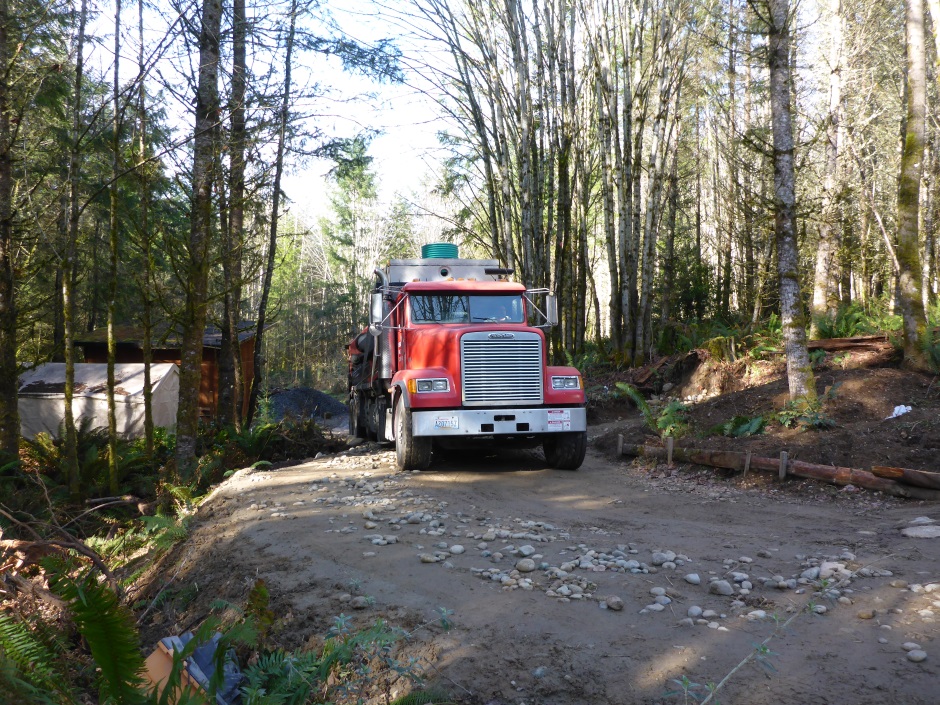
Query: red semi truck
x=454 y=356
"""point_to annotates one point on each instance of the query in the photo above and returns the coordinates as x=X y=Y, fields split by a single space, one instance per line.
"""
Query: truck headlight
x=571 y=382
x=432 y=385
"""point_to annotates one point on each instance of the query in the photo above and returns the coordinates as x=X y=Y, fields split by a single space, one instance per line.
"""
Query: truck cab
x=456 y=355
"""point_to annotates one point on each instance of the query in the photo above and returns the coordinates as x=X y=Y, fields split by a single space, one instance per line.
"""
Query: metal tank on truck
x=455 y=355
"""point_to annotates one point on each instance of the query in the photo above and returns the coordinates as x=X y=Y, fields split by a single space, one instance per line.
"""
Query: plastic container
x=439 y=250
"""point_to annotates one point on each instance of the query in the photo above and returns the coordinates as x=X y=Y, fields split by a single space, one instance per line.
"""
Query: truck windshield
x=453 y=308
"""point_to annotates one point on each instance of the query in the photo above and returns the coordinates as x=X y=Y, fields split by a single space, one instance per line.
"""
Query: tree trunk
x=825 y=282
x=9 y=413
x=627 y=245
x=258 y=379
x=147 y=301
x=912 y=157
x=799 y=371
x=68 y=265
x=200 y=235
x=668 y=266
x=58 y=322
x=608 y=205
x=232 y=260
x=113 y=249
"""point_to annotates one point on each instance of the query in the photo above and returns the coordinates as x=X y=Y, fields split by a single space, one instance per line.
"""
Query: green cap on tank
x=439 y=250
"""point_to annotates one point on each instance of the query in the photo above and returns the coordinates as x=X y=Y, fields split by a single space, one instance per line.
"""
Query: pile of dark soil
x=302 y=403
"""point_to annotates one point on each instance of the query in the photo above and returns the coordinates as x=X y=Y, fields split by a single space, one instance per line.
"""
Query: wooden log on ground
x=907 y=476
x=643 y=377
x=831 y=474
x=869 y=342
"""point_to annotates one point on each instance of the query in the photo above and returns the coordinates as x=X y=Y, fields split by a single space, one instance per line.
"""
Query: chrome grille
x=501 y=372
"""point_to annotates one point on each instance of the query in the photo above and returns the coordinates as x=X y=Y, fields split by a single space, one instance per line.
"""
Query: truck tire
x=412 y=453
x=357 y=417
x=565 y=451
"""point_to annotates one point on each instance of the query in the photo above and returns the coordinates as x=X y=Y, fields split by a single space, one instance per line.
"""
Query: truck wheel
x=357 y=417
x=412 y=453
x=565 y=451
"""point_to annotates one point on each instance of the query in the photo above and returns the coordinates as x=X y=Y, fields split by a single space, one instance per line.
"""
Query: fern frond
x=244 y=633
x=17 y=689
x=640 y=402
x=181 y=493
x=108 y=628
x=23 y=651
x=282 y=678
x=165 y=531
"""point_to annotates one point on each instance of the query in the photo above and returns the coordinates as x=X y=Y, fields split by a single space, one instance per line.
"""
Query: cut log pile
x=898 y=482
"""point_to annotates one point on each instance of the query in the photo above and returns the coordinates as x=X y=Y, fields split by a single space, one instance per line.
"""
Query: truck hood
x=438 y=345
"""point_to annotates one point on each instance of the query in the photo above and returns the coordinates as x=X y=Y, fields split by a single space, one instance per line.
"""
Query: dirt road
x=339 y=528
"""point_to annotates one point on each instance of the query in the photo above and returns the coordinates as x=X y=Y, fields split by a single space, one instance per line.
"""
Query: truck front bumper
x=498 y=422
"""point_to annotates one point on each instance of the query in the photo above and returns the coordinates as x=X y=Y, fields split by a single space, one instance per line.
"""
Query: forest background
x=632 y=156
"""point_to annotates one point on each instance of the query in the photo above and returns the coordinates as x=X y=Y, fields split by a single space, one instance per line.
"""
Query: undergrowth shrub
x=670 y=420
x=849 y=321
x=739 y=426
x=137 y=474
x=222 y=449
x=766 y=339
x=693 y=334
x=808 y=414
x=41 y=664
x=857 y=319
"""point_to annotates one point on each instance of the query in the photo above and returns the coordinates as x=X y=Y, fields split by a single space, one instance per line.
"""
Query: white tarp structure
x=42 y=397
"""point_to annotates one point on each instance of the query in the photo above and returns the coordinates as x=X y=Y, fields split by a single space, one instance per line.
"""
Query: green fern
x=739 y=426
x=634 y=394
x=108 y=628
x=283 y=678
x=16 y=687
x=165 y=532
x=184 y=495
x=673 y=420
x=25 y=658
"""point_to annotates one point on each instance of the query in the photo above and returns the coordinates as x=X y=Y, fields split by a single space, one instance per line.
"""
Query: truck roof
x=486 y=286
x=441 y=269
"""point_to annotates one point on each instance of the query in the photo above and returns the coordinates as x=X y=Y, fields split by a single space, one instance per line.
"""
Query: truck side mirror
x=551 y=309
x=376 y=310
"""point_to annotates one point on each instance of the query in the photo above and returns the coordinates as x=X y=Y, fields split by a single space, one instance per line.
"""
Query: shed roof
x=91 y=379
x=164 y=337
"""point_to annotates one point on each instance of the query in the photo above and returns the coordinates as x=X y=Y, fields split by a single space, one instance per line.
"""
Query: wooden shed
x=166 y=347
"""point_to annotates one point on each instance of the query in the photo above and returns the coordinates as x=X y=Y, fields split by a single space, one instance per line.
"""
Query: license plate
x=445 y=422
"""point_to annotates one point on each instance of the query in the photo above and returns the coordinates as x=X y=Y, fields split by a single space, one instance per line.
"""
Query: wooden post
x=620 y=444
x=670 y=442
x=747 y=464
x=784 y=456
